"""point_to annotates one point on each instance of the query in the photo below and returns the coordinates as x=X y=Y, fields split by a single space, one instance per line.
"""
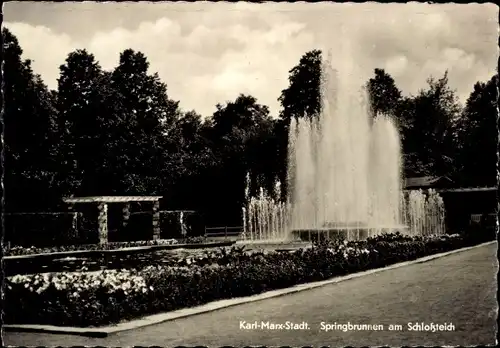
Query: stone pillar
x=73 y=233
x=156 y=220
x=244 y=213
x=103 y=223
x=126 y=214
x=183 y=225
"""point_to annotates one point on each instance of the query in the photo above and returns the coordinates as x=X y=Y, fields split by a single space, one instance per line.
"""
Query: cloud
x=207 y=66
x=210 y=53
x=46 y=48
x=397 y=65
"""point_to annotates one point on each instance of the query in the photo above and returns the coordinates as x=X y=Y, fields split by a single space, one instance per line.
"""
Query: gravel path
x=458 y=289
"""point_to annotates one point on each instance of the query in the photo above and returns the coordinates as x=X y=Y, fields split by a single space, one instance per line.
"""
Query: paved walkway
x=458 y=289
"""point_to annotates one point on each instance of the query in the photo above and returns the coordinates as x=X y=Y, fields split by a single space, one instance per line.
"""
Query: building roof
x=426 y=182
x=111 y=199
x=441 y=184
x=469 y=189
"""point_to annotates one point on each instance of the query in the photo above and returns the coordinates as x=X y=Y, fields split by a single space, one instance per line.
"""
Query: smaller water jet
x=424 y=213
x=268 y=220
x=265 y=219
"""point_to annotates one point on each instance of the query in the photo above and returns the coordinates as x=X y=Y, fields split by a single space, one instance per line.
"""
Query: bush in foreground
x=100 y=298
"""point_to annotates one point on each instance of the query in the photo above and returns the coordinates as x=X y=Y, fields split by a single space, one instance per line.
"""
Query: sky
x=209 y=53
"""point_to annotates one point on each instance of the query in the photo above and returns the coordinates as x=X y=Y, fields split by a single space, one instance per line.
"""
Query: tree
x=237 y=132
x=302 y=98
x=432 y=117
x=29 y=132
x=191 y=139
x=383 y=93
x=191 y=159
x=148 y=116
x=85 y=102
x=477 y=136
x=303 y=95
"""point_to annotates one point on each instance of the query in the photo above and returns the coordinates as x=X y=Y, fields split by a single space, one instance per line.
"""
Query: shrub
x=193 y=240
x=100 y=298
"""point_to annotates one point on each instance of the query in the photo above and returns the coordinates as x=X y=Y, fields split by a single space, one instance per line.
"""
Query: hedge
x=99 y=298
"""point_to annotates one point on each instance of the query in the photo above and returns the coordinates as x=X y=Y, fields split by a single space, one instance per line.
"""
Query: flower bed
x=82 y=263
x=100 y=298
x=17 y=250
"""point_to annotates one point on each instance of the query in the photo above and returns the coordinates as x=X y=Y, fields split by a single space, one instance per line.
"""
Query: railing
x=225 y=232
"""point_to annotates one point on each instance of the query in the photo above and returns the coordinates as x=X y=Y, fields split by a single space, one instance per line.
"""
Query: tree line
x=118 y=133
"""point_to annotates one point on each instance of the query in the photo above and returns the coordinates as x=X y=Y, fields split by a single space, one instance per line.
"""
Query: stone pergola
x=102 y=204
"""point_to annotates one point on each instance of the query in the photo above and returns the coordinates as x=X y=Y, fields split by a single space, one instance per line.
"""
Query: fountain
x=344 y=176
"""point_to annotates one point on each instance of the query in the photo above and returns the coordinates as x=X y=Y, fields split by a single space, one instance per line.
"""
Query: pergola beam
x=112 y=199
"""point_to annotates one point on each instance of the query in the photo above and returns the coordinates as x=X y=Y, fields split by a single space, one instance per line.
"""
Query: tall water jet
x=384 y=174
x=304 y=209
x=346 y=166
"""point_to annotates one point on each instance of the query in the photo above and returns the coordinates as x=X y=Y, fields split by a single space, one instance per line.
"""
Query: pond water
x=121 y=260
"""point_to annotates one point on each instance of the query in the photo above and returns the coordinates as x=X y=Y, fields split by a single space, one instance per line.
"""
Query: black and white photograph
x=249 y=174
